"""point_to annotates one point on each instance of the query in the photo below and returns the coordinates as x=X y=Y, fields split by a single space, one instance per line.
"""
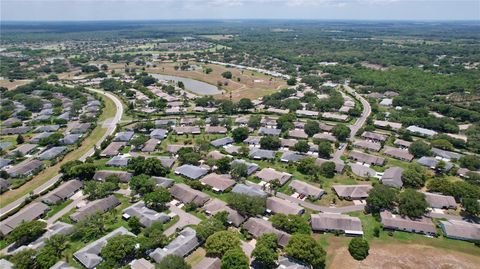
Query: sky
x=78 y=10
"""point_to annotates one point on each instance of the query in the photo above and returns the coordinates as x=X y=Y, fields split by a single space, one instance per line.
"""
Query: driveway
x=185 y=219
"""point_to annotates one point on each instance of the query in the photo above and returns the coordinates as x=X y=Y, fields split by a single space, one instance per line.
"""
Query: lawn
x=50 y=172
x=56 y=208
x=251 y=84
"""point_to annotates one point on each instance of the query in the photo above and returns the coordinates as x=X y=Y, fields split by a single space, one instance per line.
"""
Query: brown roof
x=150 y=145
x=215 y=206
x=257 y=227
x=187 y=195
x=278 y=205
x=397 y=153
x=336 y=222
x=366 y=158
x=113 y=149
x=440 y=201
x=297 y=133
x=97 y=206
x=215 y=130
x=218 y=182
x=397 y=222
x=374 y=136
x=352 y=191
x=306 y=189
x=367 y=145
x=208 y=263
x=269 y=174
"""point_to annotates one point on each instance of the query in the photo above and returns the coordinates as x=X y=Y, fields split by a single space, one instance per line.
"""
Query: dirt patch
x=403 y=256
x=13 y=84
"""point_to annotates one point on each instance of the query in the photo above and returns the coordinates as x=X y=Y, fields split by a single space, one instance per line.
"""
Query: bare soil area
x=403 y=256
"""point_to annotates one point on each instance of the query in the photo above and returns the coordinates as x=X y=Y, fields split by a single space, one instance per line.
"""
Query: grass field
x=50 y=172
x=251 y=85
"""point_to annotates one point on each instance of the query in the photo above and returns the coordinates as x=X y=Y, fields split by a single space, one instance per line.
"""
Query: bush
x=358 y=248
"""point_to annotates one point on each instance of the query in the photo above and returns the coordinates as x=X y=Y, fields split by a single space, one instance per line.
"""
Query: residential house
x=97 y=206
x=219 y=183
x=62 y=193
x=261 y=154
x=222 y=142
x=364 y=144
x=31 y=212
x=270 y=174
x=103 y=174
x=52 y=153
x=435 y=200
x=145 y=215
x=461 y=230
x=376 y=137
x=399 y=154
x=352 y=192
x=25 y=168
x=306 y=189
x=396 y=222
x=339 y=165
x=181 y=246
x=257 y=226
x=191 y=171
x=251 y=167
x=278 y=205
x=421 y=131
x=215 y=206
x=393 y=177
x=123 y=136
x=329 y=222
x=366 y=158
x=187 y=195
x=248 y=190
x=113 y=149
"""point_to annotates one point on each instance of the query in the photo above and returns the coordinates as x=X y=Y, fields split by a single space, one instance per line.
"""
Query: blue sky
x=55 y=10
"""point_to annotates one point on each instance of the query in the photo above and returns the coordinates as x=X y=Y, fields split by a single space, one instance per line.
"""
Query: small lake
x=195 y=86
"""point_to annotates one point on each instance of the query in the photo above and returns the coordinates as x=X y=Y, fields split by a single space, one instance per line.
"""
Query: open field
x=50 y=172
x=218 y=37
x=13 y=84
x=400 y=255
x=251 y=85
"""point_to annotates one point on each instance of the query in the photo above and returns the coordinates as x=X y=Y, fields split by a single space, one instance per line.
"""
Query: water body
x=195 y=86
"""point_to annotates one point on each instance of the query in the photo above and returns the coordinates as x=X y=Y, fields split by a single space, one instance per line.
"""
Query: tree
x=235 y=259
x=157 y=199
x=358 y=248
x=238 y=170
x=341 y=132
x=246 y=205
x=304 y=248
x=173 y=261
x=208 y=227
x=414 y=176
x=327 y=169
x=265 y=252
x=311 y=128
x=82 y=171
x=20 y=139
x=189 y=156
x=301 y=146
x=471 y=162
x=419 y=148
x=381 y=197
x=324 y=149
x=26 y=232
x=97 y=189
x=52 y=251
x=148 y=166
x=245 y=104
x=239 y=134
x=142 y=184
x=308 y=166
x=24 y=259
x=223 y=165
x=291 y=81
x=139 y=141
x=270 y=142
x=471 y=207
x=154 y=236
x=119 y=249
x=442 y=144
x=220 y=242
x=52 y=140
x=90 y=228
x=227 y=74
x=134 y=224
x=412 y=203
x=254 y=121
x=290 y=223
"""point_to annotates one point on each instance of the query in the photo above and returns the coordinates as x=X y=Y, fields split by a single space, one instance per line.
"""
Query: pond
x=195 y=86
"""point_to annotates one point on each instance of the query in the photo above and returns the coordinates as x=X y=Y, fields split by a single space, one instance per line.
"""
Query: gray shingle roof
x=435 y=200
x=462 y=230
x=366 y=158
x=182 y=245
x=52 y=153
x=46 y=128
x=65 y=191
x=158 y=133
x=270 y=174
x=208 y=263
x=103 y=174
x=291 y=156
x=260 y=154
x=352 y=191
x=118 y=161
x=248 y=190
x=336 y=222
x=421 y=131
x=163 y=181
x=39 y=136
x=89 y=255
x=396 y=222
x=123 y=136
x=306 y=189
x=397 y=153
x=289 y=263
x=70 y=139
x=393 y=177
x=97 y=206
x=251 y=167
x=113 y=149
x=432 y=162
x=222 y=142
x=218 y=182
x=269 y=131
x=146 y=216
x=25 y=168
x=278 y=205
x=446 y=154
x=215 y=206
x=16 y=130
x=191 y=171
x=28 y=213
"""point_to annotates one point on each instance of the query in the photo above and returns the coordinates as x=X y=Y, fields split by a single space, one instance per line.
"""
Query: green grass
x=56 y=208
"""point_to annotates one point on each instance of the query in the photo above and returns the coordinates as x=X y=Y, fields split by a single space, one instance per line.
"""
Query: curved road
x=367 y=110
x=110 y=124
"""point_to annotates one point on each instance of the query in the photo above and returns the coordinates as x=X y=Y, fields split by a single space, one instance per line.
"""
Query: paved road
x=367 y=109
x=325 y=209
x=77 y=198
x=109 y=123
x=185 y=219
